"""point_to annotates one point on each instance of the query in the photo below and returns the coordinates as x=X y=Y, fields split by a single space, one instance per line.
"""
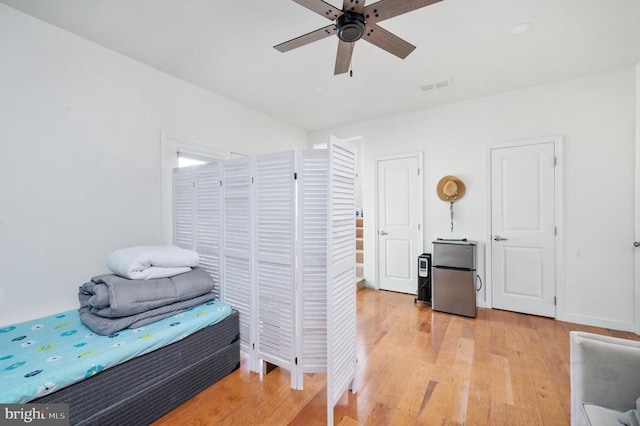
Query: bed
x=146 y=384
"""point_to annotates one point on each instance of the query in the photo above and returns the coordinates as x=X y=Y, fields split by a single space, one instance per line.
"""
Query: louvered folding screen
x=312 y=265
x=283 y=251
x=275 y=259
x=196 y=215
x=237 y=245
x=341 y=275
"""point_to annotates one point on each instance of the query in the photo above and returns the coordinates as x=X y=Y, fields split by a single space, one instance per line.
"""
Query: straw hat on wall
x=450 y=189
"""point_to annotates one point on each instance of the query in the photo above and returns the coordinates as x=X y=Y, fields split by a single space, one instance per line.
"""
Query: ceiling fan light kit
x=350 y=27
x=353 y=22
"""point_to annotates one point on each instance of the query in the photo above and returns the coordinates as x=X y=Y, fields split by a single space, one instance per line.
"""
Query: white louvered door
x=312 y=168
x=341 y=275
x=237 y=247
x=275 y=259
x=183 y=207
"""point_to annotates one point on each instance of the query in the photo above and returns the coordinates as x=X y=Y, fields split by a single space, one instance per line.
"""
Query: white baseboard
x=597 y=322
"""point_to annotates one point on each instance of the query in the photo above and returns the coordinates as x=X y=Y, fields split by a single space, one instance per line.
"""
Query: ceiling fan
x=355 y=21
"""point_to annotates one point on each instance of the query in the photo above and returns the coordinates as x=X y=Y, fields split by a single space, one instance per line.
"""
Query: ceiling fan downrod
x=350 y=26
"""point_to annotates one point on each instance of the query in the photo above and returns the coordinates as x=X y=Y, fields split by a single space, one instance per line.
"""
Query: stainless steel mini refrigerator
x=453 y=277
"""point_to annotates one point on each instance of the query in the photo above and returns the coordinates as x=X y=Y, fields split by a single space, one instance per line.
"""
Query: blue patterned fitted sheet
x=44 y=355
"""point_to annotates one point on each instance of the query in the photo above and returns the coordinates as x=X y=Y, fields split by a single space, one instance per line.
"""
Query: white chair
x=605 y=378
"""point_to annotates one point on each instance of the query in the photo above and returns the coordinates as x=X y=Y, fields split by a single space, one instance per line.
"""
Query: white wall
x=80 y=162
x=595 y=116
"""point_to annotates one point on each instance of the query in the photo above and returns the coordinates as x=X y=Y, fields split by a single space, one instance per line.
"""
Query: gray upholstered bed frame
x=145 y=388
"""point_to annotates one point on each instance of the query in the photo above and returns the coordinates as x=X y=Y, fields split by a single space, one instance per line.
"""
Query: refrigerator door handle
x=453 y=268
x=479 y=278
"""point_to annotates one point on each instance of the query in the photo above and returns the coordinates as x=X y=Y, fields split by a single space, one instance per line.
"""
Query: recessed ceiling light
x=520 y=28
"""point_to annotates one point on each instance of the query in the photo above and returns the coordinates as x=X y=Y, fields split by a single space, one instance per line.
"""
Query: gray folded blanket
x=631 y=417
x=111 y=296
x=107 y=326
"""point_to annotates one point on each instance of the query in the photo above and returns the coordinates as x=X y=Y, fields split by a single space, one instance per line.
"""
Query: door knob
x=499 y=238
x=382 y=233
x=636 y=243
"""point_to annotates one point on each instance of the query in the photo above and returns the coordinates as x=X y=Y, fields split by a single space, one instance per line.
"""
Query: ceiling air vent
x=436 y=85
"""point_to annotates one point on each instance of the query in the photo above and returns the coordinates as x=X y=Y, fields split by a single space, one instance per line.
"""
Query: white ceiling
x=227 y=47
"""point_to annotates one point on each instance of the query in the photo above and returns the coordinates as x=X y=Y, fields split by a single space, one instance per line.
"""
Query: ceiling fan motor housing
x=350 y=26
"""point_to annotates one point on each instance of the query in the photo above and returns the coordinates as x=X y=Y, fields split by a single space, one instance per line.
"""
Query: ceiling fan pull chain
x=351 y=61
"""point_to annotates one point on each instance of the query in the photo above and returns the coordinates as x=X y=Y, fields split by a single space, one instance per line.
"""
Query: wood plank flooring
x=415 y=366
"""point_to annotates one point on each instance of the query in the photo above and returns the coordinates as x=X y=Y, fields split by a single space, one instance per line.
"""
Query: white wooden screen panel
x=183 y=207
x=208 y=193
x=237 y=244
x=312 y=267
x=341 y=275
x=275 y=259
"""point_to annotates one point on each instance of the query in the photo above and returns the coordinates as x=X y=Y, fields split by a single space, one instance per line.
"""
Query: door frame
x=557 y=140
x=419 y=156
x=636 y=236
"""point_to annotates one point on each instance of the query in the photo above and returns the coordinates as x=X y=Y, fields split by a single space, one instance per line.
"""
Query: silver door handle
x=636 y=243
x=382 y=233
x=499 y=238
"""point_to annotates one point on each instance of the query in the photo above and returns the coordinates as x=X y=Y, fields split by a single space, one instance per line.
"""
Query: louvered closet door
x=208 y=193
x=237 y=242
x=341 y=297
x=312 y=268
x=183 y=207
x=274 y=259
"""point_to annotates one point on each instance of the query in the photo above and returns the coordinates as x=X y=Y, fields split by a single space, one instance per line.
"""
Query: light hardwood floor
x=415 y=366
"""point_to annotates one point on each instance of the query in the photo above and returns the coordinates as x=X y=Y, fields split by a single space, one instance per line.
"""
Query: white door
x=523 y=228
x=399 y=190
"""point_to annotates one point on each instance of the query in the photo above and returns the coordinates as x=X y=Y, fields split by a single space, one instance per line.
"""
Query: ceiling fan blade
x=343 y=58
x=321 y=8
x=356 y=6
x=385 y=9
x=385 y=40
x=306 y=39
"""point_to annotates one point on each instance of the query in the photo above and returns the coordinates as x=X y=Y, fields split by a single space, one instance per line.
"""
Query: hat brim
x=462 y=189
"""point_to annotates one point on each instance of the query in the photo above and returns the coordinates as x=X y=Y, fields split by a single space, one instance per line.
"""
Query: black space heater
x=424 y=279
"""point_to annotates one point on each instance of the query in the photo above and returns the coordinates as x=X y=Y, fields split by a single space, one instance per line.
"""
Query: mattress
x=46 y=354
x=143 y=389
